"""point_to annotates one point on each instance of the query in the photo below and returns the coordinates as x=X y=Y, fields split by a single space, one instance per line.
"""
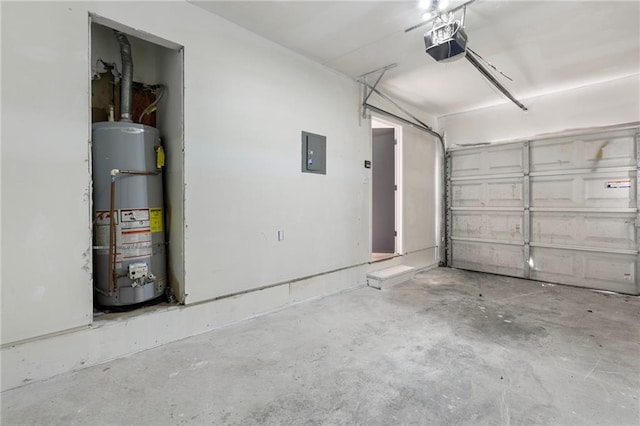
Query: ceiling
x=544 y=46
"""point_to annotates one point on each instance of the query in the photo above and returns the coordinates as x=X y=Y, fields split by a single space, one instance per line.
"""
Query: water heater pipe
x=112 y=235
x=126 y=83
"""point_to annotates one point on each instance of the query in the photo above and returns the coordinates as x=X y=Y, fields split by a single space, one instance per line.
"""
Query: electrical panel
x=314 y=153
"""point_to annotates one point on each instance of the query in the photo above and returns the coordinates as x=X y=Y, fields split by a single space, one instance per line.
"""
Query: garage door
x=560 y=210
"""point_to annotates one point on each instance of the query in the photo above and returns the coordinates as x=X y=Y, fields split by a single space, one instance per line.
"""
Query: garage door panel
x=562 y=210
x=607 y=271
x=493 y=258
x=593 y=152
x=550 y=155
x=486 y=161
x=611 y=190
x=494 y=225
x=604 y=230
x=553 y=191
x=506 y=192
x=598 y=190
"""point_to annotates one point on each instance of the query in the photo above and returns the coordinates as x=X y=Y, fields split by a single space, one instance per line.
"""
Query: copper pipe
x=137 y=172
x=113 y=252
x=112 y=236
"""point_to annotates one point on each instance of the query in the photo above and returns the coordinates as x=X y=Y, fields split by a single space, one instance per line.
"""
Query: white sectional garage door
x=561 y=210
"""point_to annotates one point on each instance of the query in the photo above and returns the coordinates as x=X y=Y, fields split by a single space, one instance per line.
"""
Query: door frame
x=378 y=122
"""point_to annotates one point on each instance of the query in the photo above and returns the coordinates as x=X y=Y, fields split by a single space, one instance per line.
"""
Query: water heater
x=129 y=238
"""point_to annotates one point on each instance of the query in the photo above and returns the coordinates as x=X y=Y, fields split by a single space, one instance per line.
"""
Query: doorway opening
x=137 y=150
x=386 y=215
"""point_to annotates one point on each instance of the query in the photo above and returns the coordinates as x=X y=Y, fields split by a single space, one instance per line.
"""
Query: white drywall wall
x=607 y=103
x=246 y=102
x=409 y=110
x=170 y=118
x=46 y=191
x=377 y=123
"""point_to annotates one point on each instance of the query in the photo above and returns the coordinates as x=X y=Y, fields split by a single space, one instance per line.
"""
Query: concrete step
x=389 y=277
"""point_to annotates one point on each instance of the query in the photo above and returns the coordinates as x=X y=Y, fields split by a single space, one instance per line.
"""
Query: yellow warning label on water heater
x=155 y=219
x=159 y=157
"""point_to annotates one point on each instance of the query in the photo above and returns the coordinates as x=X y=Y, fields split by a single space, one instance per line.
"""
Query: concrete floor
x=449 y=347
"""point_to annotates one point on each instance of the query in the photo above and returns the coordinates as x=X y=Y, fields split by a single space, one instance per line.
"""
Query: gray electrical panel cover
x=314 y=153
